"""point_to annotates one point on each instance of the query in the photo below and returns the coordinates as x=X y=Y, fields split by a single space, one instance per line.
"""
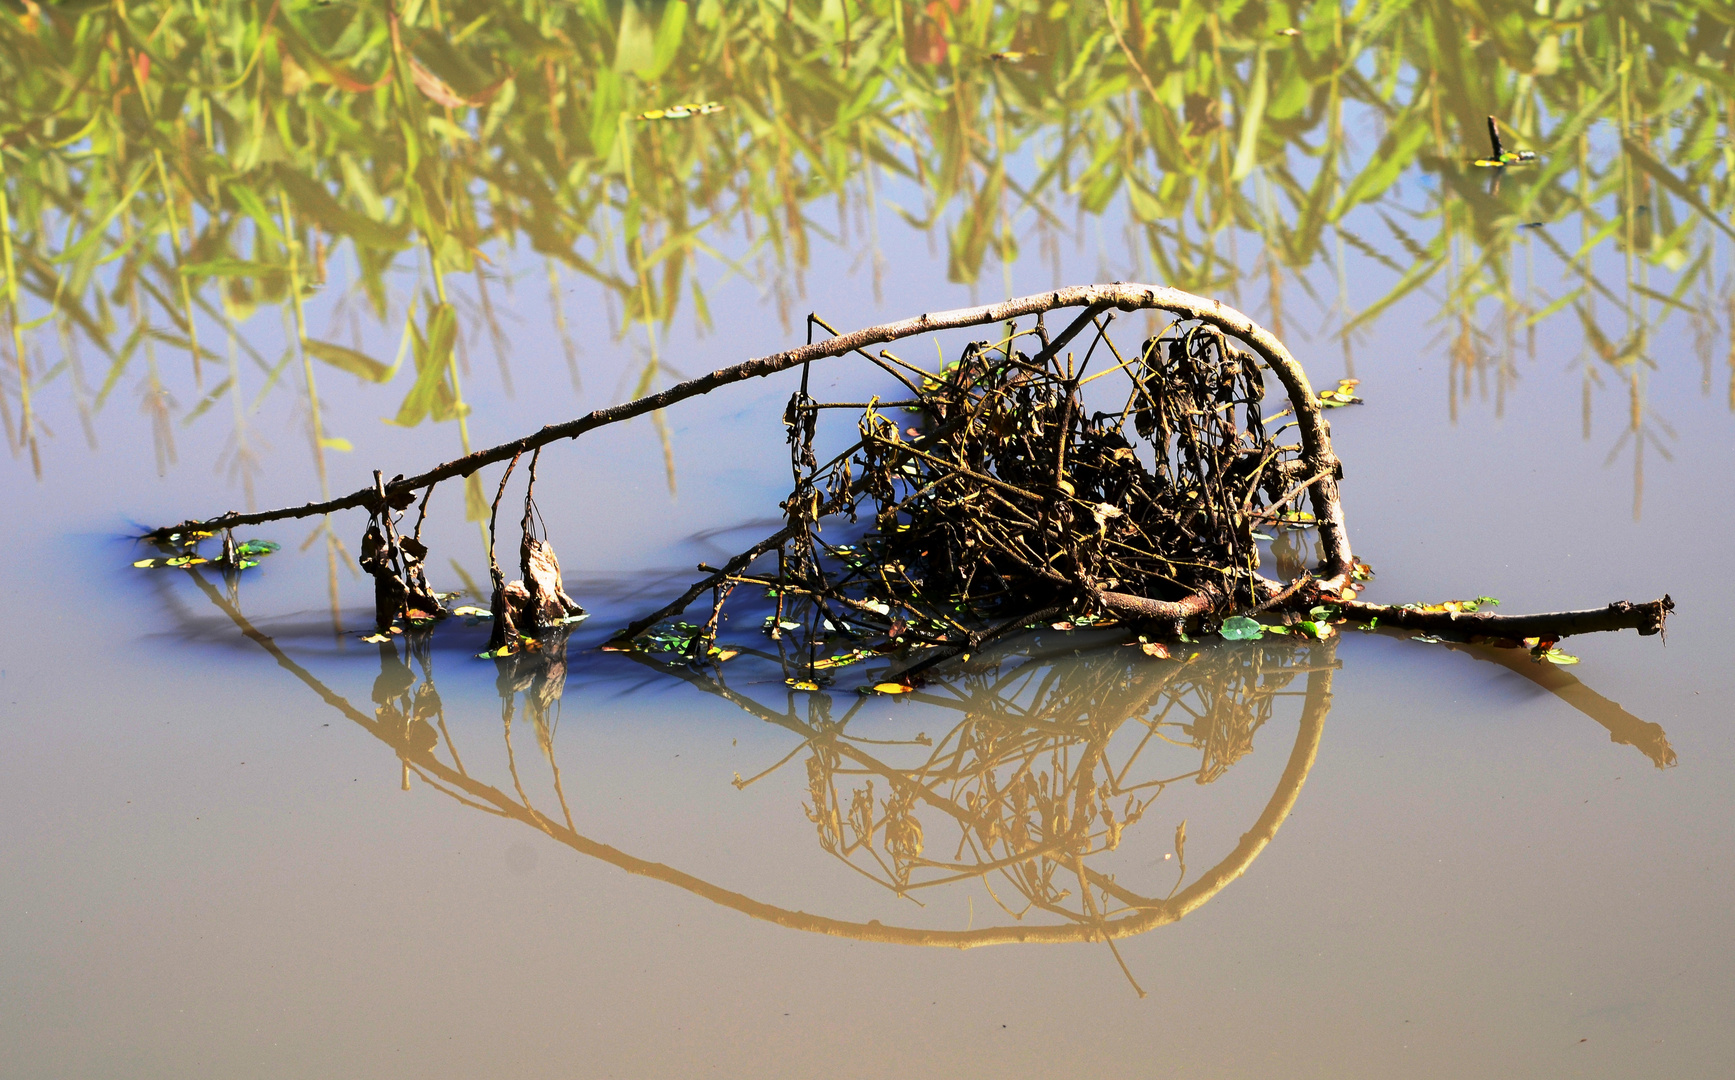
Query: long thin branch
x=1315 y=434
x=1646 y=618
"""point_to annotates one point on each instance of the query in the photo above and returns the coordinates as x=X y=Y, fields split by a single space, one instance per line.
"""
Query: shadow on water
x=1049 y=758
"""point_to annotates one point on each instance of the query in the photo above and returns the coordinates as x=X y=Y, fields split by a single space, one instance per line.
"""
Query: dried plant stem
x=493 y=517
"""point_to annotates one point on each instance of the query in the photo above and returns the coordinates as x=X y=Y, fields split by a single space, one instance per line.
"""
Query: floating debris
x=682 y=112
x=1017 y=499
x=243 y=556
x=1501 y=157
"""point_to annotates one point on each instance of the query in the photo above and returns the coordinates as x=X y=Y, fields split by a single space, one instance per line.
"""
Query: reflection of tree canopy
x=168 y=168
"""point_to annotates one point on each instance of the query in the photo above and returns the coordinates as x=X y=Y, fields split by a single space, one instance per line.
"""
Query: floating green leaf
x=1241 y=628
x=1341 y=395
x=840 y=660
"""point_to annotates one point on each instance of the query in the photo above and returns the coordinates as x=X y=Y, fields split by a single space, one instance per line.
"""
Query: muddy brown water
x=240 y=841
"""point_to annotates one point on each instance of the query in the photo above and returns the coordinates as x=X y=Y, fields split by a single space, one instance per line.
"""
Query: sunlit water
x=241 y=842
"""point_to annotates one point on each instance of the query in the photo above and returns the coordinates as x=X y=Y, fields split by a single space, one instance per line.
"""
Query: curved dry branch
x=1321 y=464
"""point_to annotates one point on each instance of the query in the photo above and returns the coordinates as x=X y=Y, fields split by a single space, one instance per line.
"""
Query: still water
x=241 y=840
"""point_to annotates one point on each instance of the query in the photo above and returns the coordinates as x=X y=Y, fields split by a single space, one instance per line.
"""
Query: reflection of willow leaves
x=467 y=121
x=189 y=164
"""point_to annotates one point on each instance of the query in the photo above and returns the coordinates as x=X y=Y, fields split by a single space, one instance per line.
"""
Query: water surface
x=244 y=841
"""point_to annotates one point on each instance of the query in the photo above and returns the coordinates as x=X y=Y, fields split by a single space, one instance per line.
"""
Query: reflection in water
x=1623 y=727
x=171 y=171
x=1045 y=768
x=1045 y=765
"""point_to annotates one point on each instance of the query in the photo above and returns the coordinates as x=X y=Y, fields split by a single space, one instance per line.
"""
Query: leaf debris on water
x=682 y=112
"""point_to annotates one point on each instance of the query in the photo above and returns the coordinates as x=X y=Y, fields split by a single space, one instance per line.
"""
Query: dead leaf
x=440 y=92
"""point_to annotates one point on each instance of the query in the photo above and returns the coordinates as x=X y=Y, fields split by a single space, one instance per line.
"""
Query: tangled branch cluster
x=1015 y=499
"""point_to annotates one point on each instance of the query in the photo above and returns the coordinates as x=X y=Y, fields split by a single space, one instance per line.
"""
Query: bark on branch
x=1647 y=619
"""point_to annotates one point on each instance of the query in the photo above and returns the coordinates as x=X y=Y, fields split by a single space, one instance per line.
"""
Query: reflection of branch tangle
x=1135 y=915
x=1032 y=787
x=1030 y=775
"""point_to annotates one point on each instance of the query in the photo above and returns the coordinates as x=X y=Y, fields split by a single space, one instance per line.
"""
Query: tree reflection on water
x=170 y=171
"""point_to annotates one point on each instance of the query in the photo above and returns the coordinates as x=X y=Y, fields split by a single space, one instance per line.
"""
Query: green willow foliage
x=169 y=168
